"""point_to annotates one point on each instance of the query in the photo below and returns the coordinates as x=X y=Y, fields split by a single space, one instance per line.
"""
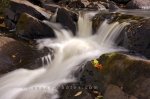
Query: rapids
x=70 y=51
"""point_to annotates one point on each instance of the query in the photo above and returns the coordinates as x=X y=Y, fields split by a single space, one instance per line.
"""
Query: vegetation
x=3 y=4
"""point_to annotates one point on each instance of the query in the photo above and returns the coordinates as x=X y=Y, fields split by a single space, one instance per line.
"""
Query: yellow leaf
x=96 y=61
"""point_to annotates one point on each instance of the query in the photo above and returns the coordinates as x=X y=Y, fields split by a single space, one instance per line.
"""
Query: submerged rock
x=29 y=27
x=138 y=4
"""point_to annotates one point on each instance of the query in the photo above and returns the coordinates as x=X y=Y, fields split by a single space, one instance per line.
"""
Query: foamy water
x=70 y=51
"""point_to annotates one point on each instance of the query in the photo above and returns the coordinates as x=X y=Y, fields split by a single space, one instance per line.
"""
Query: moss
x=124 y=70
x=22 y=22
x=3 y=5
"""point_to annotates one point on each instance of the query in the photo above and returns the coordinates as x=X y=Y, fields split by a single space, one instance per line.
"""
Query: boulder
x=16 y=54
x=127 y=72
x=21 y=6
x=137 y=36
x=138 y=4
x=29 y=27
x=66 y=20
x=119 y=76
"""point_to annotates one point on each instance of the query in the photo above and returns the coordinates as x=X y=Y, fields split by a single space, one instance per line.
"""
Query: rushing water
x=70 y=51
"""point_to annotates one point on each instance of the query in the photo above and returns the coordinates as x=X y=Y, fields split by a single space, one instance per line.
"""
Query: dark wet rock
x=9 y=14
x=121 y=1
x=15 y=54
x=51 y=7
x=97 y=0
x=66 y=20
x=36 y=2
x=9 y=24
x=138 y=4
x=136 y=37
x=29 y=27
x=76 y=4
x=1 y=20
x=21 y=6
x=98 y=19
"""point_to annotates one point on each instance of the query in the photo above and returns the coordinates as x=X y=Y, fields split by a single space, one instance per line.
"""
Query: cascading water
x=70 y=51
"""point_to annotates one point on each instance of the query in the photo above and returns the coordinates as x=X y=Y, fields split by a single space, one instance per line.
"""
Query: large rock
x=15 y=54
x=137 y=36
x=66 y=20
x=21 y=6
x=132 y=74
x=120 y=77
x=138 y=4
x=29 y=27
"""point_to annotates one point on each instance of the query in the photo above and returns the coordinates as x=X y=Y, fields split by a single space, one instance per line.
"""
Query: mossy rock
x=3 y=5
x=29 y=27
x=127 y=72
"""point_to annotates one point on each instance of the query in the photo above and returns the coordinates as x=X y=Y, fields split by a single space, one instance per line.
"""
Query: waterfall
x=70 y=51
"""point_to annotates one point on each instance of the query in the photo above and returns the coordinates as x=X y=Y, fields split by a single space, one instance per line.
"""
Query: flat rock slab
x=20 y=6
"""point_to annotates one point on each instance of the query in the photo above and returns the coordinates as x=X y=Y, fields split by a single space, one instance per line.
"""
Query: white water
x=69 y=53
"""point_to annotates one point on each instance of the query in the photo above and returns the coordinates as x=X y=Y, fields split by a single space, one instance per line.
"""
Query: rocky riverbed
x=116 y=75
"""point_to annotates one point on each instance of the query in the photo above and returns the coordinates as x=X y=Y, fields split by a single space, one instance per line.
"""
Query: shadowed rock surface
x=29 y=27
x=20 y=6
x=138 y=4
x=16 y=54
x=137 y=36
x=65 y=19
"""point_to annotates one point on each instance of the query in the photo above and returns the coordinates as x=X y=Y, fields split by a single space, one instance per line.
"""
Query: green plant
x=3 y=4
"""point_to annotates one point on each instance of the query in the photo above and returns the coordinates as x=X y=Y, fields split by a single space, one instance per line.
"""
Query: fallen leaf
x=13 y=56
x=78 y=93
